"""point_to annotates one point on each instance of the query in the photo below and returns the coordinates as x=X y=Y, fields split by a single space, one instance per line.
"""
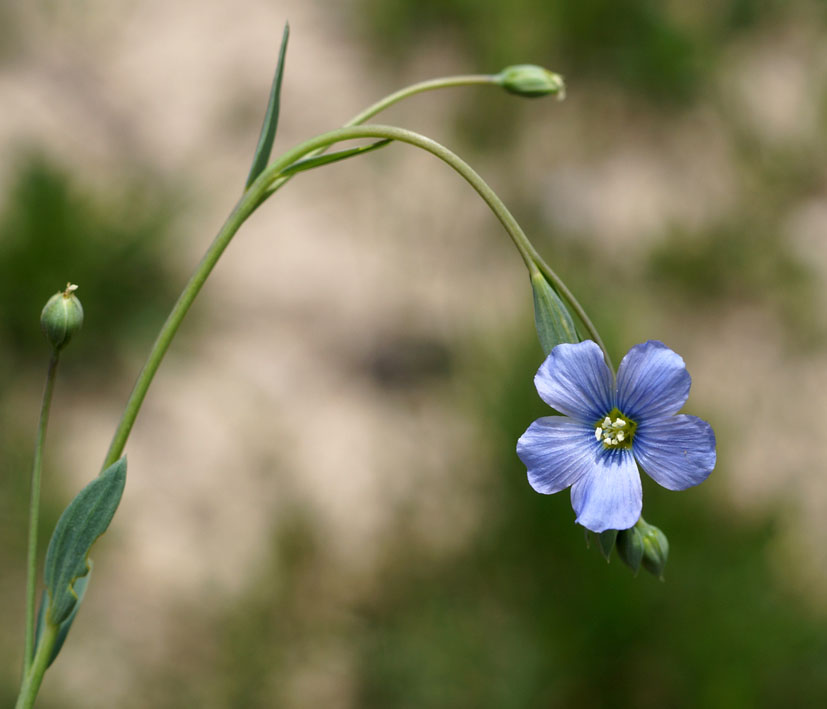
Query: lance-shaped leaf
x=310 y=163
x=82 y=522
x=80 y=590
x=551 y=317
x=271 y=116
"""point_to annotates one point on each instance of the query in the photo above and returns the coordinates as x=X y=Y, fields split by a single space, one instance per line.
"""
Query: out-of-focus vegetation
x=526 y=615
x=54 y=229
x=662 y=50
x=522 y=615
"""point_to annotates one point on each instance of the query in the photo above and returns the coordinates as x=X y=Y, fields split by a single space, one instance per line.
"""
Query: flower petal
x=652 y=382
x=676 y=452
x=576 y=381
x=557 y=452
x=609 y=496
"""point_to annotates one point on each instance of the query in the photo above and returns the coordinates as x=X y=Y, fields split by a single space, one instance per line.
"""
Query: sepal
x=551 y=317
x=630 y=548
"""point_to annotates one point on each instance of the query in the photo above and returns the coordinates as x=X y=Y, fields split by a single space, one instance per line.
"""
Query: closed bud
x=551 y=317
x=531 y=81
x=655 y=549
x=630 y=547
x=62 y=317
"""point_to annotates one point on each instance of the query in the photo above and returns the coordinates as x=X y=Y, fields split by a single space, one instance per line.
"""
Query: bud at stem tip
x=531 y=81
x=62 y=317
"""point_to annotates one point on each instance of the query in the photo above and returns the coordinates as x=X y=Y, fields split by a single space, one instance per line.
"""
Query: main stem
x=262 y=187
x=34 y=510
x=33 y=677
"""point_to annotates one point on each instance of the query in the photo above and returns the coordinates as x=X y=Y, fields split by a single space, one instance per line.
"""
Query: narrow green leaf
x=310 y=163
x=82 y=522
x=551 y=317
x=80 y=590
x=271 y=116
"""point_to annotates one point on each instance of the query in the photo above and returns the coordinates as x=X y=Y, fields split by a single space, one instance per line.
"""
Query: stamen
x=615 y=430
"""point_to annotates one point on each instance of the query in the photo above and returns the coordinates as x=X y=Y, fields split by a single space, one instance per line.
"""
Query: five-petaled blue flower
x=607 y=425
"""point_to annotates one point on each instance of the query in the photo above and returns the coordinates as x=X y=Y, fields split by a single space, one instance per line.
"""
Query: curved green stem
x=33 y=677
x=34 y=510
x=444 y=82
x=254 y=196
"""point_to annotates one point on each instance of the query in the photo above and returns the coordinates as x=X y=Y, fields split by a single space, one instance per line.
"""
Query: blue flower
x=609 y=424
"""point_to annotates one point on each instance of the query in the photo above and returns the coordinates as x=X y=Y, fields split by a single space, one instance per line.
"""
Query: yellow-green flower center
x=615 y=430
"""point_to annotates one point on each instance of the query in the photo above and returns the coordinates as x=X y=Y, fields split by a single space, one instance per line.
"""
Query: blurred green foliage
x=527 y=617
x=657 y=49
x=110 y=242
x=524 y=616
x=52 y=231
x=737 y=263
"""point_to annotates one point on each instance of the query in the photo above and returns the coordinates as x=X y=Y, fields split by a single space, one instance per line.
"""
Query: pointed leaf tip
x=551 y=317
x=271 y=116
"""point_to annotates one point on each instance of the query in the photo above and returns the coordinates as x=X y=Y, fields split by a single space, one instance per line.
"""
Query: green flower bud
x=531 y=81
x=62 y=317
x=630 y=547
x=655 y=549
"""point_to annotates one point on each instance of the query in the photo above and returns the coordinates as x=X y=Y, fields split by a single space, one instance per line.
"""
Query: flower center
x=615 y=430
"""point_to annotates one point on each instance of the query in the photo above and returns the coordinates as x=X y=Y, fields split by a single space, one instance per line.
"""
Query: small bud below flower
x=62 y=317
x=531 y=81
x=644 y=543
x=630 y=548
x=655 y=549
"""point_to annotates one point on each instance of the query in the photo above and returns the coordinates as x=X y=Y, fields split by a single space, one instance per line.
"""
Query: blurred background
x=324 y=506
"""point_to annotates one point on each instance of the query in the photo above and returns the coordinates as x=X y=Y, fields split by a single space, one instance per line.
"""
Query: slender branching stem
x=34 y=510
x=254 y=196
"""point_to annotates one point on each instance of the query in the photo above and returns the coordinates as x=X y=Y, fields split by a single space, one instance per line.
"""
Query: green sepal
x=82 y=522
x=80 y=590
x=310 y=163
x=271 y=116
x=630 y=548
x=551 y=317
x=655 y=549
x=606 y=542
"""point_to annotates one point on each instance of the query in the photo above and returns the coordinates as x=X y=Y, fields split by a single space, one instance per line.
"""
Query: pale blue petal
x=652 y=382
x=557 y=452
x=576 y=381
x=609 y=496
x=676 y=452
